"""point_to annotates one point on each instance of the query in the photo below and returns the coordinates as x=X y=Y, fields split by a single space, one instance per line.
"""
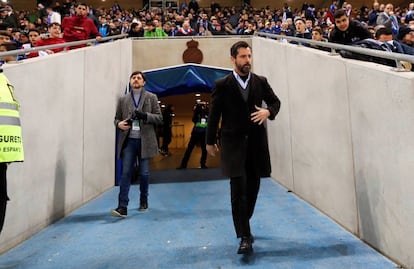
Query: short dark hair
x=339 y=13
x=10 y=46
x=54 y=24
x=383 y=31
x=136 y=73
x=318 y=29
x=236 y=46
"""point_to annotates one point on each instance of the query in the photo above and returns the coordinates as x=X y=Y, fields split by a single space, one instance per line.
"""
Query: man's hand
x=123 y=125
x=260 y=115
x=98 y=38
x=212 y=149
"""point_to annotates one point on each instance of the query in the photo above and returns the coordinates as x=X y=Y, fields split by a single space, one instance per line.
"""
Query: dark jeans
x=3 y=194
x=130 y=153
x=166 y=139
x=244 y=192
x=196 y=138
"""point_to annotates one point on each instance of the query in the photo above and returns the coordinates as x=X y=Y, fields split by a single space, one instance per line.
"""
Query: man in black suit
x=237 y=99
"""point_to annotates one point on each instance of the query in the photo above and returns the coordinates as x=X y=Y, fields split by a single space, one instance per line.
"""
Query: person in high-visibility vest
x=11 y=144
x=198 y=136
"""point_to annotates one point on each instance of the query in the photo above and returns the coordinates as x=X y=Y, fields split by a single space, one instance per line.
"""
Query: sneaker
x=203 y=166
x=121 y=212
x=143 y=206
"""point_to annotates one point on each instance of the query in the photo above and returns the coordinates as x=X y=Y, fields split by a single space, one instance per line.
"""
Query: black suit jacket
x=244 y=143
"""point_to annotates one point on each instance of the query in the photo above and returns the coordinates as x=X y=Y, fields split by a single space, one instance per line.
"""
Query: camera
x=137 y=115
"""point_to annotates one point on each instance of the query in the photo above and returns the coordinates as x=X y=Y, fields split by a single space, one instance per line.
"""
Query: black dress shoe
x=245 y=246
x=251 y=237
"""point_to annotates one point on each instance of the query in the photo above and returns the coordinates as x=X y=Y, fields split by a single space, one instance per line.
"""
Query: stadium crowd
x=340 y=23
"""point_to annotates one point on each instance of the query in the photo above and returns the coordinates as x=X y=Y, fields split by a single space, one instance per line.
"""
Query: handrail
x=334 y=46
x=65 y=45
x=397 y=57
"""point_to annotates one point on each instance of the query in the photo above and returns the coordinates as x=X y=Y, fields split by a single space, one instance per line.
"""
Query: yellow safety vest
x=11 y=144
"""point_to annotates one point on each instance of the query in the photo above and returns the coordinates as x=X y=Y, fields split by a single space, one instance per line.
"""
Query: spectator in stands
x=384 y=35
x=6 y=20
x=5 y=37
x=348 y=10
x=125 y=28
x=301 y=31
x=103 y=26
x=136 y=30
x=168 y=29
x=153 y=31
x=11 y=16
x=267 y=28
x=406 y=36
x=317 y=35
x=347 y=31
x=113 y=29
x=250 y=28
x=8 y=46
x=79 y=27
x=205 y=22
x=55 y=37
x=410 y=13
x=389 y=19
x=34 y=36
x=202 y=31
x=219 y=30
x=193 y=5
x=53 y=16
x=309 y=25
x=185 y=30
x=373 y=14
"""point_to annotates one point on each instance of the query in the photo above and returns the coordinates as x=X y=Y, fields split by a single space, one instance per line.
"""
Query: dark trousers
x=244 y=190
x=166 y=139
x=3 y=194
x=196 y=138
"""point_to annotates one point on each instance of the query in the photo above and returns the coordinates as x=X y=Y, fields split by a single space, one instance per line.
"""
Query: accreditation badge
x=135 y=125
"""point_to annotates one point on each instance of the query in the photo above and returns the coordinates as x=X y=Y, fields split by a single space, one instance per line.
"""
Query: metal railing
x=66 y=46
x=397 y=57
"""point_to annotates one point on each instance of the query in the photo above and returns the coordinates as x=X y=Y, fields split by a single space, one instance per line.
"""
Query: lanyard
x=136 y=104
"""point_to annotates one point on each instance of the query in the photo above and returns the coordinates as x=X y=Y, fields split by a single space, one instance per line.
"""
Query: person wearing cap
x=406 y=36
x=267 y=28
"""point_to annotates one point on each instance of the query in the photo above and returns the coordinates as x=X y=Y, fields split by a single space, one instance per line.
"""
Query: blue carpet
x=189 y=225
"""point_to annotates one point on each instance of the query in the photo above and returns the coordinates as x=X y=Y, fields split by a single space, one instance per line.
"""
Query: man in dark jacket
x=237 y=99
x=347 y=31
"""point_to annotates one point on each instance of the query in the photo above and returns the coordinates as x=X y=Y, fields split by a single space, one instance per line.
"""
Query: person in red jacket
x=79 y=27
x=55 y=37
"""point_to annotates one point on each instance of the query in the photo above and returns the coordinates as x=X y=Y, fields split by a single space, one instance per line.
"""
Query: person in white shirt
x=53 y=16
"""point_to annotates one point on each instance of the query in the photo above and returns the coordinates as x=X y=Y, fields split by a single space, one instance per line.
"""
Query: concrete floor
x=189 y=225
